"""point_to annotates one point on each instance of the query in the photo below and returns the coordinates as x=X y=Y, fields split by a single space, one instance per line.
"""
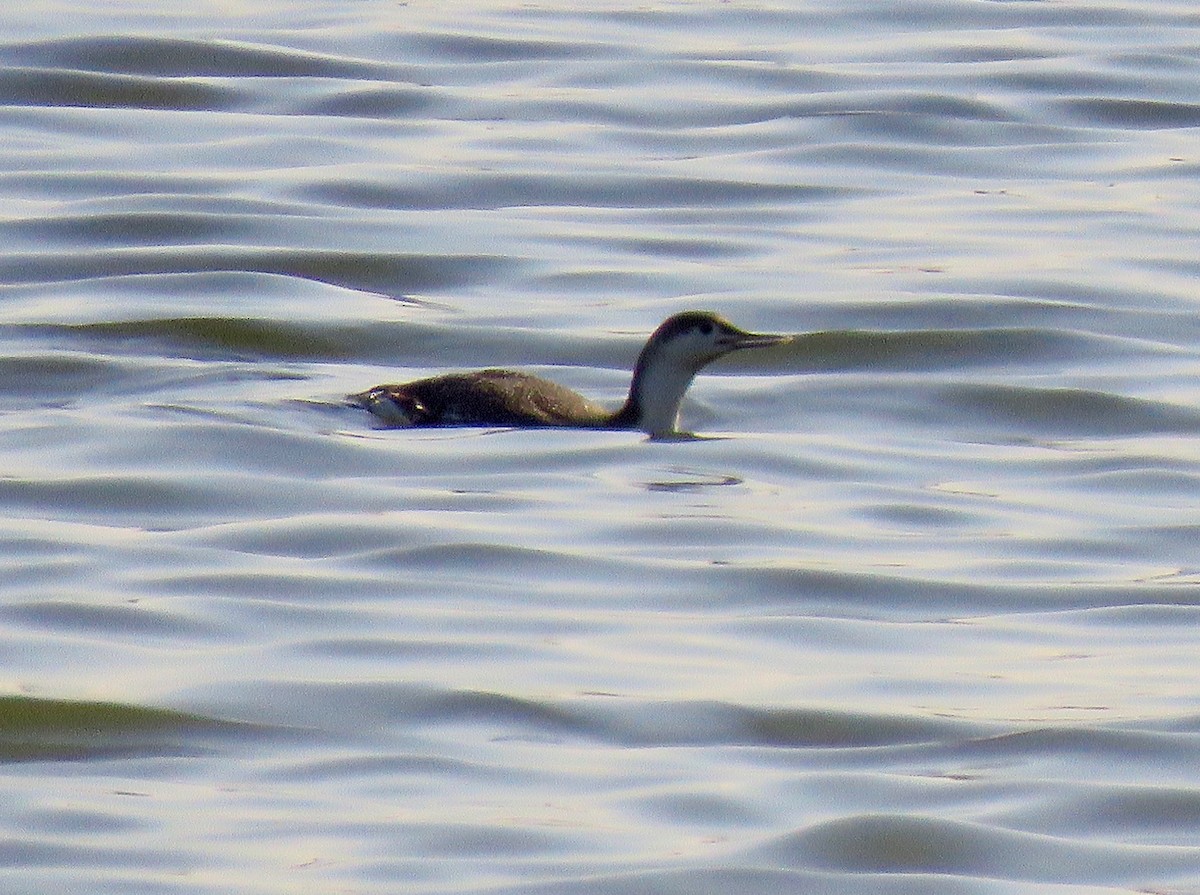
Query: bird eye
x=706 y=328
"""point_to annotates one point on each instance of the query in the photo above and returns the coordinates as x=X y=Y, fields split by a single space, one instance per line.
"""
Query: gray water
x=918 y=613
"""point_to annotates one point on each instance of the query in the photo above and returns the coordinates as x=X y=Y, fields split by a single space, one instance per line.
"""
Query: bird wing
x=531 y=400
x=498 y=398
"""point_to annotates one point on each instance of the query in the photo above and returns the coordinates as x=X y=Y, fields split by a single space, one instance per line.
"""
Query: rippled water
x=918 y=614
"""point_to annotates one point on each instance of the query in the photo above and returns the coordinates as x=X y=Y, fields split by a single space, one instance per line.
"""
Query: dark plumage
x=672 y=356
x=489 y=397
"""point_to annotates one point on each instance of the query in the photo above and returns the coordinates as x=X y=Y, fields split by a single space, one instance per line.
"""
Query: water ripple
x=171 y=57
x=41 y=87
x=916 y=615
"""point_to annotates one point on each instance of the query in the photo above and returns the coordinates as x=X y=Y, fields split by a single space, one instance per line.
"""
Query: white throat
x=659 y=391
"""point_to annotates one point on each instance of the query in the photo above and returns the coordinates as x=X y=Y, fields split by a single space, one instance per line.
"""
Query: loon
x=671 y=358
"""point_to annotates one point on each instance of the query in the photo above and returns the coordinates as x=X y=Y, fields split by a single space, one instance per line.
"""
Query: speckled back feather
x=484 y=397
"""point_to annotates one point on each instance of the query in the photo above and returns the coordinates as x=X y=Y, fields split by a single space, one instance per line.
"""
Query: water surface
x=917 y=614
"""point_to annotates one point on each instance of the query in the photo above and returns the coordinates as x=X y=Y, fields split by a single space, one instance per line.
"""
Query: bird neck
x=655 y=394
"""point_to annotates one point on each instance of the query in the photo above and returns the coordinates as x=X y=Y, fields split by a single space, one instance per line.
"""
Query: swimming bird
x=671 y=358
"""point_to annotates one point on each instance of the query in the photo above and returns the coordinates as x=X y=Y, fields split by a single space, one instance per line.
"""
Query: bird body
x=487 y=397
x=672 y=356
